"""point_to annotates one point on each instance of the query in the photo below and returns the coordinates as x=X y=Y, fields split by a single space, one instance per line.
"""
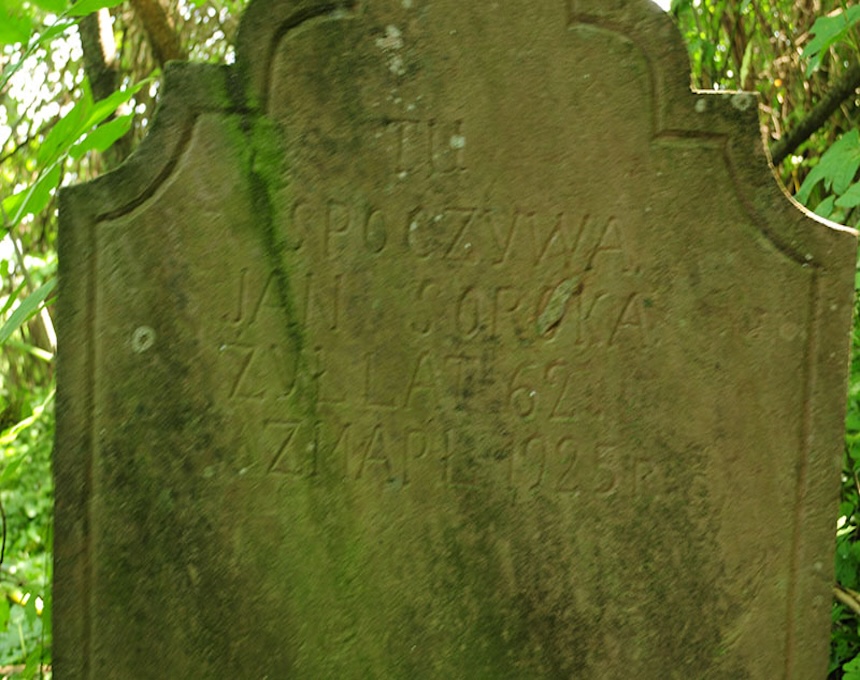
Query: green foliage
x=828 y=32
x=852 y=670
x=845 y=640
x=25 y=311
x=15 y=22
x=836 y=171
x=72 y=136
x=793 y=59
x=26 y=495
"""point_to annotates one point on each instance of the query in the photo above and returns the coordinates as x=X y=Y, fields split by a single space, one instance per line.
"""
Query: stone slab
x=447 y=339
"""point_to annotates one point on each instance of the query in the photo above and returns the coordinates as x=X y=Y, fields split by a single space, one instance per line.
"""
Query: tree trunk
x=163 y=39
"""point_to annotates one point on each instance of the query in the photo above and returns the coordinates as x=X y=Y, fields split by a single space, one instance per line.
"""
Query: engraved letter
x=506 y=302
x=631 y=320
x=448 y=146
x=300 y=225
x=566 y=452
x=558 y=373
x=521 y=394
x=606 y=478
x=375 y=234
x=469 y=313
x=420 y=233
x=285 y=459
x=337 y=225
x=426 y=290
x=520 y=237
x=422 y=381
x=610 y=242
x=464 y=245
x=374 y=453
x=527 y=468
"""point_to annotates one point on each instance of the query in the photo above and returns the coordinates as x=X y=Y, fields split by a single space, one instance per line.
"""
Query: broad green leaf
x=26 y=309
x=11 y=299
x=846 y=564
x=680 y=5
x=55 y=29
x=33 y=199
x=9 y=71
x=11 y=206
x=103 y=136
x=84 y=7
x=825 y=208
x=40 y=194
x=854 y=452
x=837 y=167
x=11 y=434
x=84 y=116
x=844 y=157
x=104 y=108
x=828 y=31
x=852 y=669
x=745 y=64
x=10 y=471
x=850 y=198
x=66 y=131
x=15 y=22
x=56 y=6
x=814 y=177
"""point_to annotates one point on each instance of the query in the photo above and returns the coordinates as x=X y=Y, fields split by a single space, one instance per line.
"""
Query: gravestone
x=447 y=340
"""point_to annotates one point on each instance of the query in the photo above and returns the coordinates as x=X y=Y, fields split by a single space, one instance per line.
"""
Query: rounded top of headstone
x=266 y=22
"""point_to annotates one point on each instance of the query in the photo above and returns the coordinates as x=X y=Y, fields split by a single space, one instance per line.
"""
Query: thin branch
x=844 y=88
x=163 y=38
x=848 y=598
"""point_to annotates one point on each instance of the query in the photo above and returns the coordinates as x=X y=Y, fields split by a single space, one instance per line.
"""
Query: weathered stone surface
x=447 y=340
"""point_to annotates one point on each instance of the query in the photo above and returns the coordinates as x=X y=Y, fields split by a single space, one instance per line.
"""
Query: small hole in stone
x=142 y=339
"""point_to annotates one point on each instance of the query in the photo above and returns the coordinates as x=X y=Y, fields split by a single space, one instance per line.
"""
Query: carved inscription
x=501 y=239
x=428 y=147
x=386 y=430
x=401 y=305
x=467 y=234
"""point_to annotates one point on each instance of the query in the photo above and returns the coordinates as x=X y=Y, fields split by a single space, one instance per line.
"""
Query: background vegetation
x=77 y=91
